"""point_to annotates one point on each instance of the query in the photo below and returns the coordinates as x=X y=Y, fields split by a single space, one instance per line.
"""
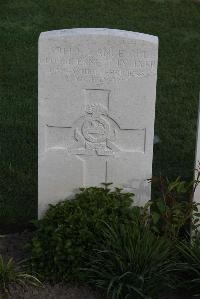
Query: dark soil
x=12 y=245
x=53 y=292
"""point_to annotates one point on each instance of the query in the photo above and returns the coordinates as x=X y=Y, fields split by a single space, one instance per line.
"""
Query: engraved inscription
x=101 y=64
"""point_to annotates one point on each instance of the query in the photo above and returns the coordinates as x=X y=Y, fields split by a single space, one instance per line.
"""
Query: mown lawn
x=175 y=22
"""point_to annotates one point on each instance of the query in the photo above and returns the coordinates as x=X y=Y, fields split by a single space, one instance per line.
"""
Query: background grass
x=176 y=23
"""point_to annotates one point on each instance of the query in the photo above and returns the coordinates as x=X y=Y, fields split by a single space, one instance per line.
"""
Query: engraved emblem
x=93 y=131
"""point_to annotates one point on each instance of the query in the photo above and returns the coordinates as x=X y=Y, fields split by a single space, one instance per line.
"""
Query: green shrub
x=190 y=270
x=9 y=275
x=172 y=207
x=69 y=229
x=131 y=262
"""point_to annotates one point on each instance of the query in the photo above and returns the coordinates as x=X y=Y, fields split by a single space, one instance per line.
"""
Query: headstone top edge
x=99 y=31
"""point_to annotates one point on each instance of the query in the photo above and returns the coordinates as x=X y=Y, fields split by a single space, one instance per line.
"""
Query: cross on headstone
x=95 y=133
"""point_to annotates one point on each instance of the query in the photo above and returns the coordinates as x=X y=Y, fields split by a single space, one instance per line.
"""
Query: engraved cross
x=95 y=137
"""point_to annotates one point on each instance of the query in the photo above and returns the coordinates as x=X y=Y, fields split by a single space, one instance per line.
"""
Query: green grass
x=175 y=22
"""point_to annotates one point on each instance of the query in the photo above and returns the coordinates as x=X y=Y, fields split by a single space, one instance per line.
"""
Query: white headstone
x=197 y=162
x=97 y=91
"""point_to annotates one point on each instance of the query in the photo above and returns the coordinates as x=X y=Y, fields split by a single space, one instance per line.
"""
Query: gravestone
x=97 y=91
x=197 y=162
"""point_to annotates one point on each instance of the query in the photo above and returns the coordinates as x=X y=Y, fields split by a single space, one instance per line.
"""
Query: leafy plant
x=190 y=270
x=131 y=262
x=9 y=275
x=173 y=207
x=68 y=231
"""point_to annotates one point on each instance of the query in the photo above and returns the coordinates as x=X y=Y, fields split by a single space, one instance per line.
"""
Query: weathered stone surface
x=97 y=91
